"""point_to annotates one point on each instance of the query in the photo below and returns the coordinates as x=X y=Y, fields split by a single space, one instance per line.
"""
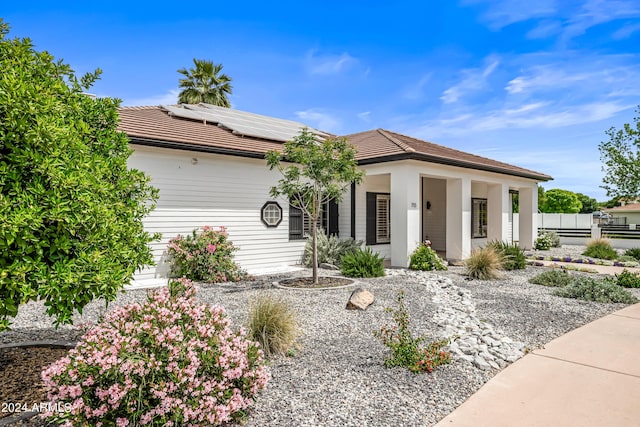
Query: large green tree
x=70 y=210
x=317 y=171
x=589 y=204
x=621 y=160
x=561 y=201
x=204 y=83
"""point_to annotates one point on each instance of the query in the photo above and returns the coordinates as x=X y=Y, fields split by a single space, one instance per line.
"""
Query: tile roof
x=155 y=126
x=380 y=145
x=629 y=207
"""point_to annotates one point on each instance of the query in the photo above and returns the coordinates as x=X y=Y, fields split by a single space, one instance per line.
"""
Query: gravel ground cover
x=337 y=377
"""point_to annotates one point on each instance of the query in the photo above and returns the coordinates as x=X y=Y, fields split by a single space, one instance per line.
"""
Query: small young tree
x=621 y=158
x=320 y=171
x=70 y=210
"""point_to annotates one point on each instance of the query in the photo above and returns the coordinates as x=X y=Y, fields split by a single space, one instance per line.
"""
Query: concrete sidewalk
x=589 y=377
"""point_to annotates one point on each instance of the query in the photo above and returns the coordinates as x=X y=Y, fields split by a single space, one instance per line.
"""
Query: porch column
x=405 y=215
x=498 y=212
x=528 y=224
x=458 y=218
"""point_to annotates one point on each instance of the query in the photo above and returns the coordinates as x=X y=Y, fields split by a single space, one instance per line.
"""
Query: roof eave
x=194 y=147
x=452 y=162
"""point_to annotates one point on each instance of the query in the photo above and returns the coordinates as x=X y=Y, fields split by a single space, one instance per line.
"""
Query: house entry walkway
x=589 y=377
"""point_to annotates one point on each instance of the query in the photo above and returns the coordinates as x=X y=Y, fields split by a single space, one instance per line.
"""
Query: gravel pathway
x=337 y=377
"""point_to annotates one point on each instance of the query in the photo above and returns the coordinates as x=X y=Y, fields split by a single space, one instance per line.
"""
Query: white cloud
x=365 y=116
x=531 y=116
x=416 y=91
x=472 y=80
x=329 y=64
x=171 y=97
x=595 y=12
x=500 y=13
x=567 y=19
x=545 y=29
x=626 y=31
x=319 y=120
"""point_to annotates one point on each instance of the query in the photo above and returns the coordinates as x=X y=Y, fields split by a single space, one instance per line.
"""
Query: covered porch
x=401 y=204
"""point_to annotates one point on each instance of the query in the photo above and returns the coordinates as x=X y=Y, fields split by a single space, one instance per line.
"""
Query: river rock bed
x=337 y=377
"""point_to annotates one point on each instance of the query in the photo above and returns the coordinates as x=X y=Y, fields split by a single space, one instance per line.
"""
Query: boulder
x=327 y=266
x=360 y=299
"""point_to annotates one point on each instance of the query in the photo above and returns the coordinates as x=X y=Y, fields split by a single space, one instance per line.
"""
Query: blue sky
x=533 y=83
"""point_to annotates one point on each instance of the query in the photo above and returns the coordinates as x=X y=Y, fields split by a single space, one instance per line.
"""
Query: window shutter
x=383 y=223
x=332 y=226
x=371 y=219
x=296 y=223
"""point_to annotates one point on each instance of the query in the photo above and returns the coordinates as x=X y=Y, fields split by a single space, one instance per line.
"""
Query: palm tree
x=204 y=83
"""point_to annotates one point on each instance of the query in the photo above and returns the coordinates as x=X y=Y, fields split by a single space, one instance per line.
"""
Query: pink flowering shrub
x=167 y=362
x=205 y=256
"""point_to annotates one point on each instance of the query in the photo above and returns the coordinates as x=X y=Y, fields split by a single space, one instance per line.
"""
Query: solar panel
x=242 y=122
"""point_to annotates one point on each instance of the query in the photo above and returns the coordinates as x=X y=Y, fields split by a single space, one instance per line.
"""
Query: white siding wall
x=218 y=191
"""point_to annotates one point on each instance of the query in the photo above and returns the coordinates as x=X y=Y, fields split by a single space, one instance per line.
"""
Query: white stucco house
x=208 y=163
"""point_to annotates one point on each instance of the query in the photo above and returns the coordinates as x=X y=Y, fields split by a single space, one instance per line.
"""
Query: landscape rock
x=327 y=266
x=360 y=299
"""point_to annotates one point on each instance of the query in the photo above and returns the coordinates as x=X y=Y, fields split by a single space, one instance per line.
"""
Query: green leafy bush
x=627 y=279
x=598 y=290
x=168 y=362
x=634 y=253
x=543 y=242
x=71 y=209
x=273 y=324
x=601 y=249
x=512 y=256
x=205 y=256
x=546 y=240
x=362 y=263
x=484 y=264
x=330 y=248
x=426 y=259
x=406 y=350
x=555 y=277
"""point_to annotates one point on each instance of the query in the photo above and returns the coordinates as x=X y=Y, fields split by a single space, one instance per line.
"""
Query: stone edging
x=353 y=283
x=44 y=343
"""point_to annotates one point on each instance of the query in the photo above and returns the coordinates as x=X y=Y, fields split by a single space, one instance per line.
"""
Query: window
x=300 y=225
x=478 y=218
x=271 y=214
x=378 y=218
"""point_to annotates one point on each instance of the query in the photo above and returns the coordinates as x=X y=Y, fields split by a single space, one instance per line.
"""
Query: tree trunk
x=314 y=245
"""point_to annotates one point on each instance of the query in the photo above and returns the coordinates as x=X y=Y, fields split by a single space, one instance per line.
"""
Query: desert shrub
x=601 y=249
x=483 y=264
x=71 y=210
x=330 y=248
x=205 y=256
x=362 y=263
x=598 y=290
x=512 y=256
x=634 y=253
x=627 y=259
x=627 y=279
x=273 y=324
x=406 y=350
x=426 y=259
x=169 y=361
x=555 y=277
